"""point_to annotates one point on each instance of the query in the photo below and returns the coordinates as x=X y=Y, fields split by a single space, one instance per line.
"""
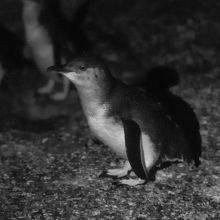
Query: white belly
x=109 y=132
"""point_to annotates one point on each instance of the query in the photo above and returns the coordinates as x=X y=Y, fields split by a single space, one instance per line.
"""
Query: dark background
x=49 y=168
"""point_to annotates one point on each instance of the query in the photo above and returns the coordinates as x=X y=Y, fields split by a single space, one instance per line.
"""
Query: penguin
x=52 y=39
x=130 y=120
x=39 y=44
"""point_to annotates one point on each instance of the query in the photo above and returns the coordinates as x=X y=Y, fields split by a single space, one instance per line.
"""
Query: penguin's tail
x=161 y=78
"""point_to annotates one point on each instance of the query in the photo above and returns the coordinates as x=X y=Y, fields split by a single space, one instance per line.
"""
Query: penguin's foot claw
x=129 y=182
x=59 y=96
x=114 y=173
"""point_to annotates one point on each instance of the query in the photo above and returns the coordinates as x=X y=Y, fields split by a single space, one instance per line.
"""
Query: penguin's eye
x=82 y=67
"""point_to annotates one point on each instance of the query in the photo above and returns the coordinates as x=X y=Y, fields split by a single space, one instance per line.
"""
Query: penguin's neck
x=95 y=98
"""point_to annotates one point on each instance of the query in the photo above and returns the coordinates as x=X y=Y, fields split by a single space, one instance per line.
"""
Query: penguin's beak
x=58 y=69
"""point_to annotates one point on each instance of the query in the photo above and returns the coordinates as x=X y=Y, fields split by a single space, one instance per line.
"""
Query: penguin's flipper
x=134 y=147
x=141 y=151
x=117 y=173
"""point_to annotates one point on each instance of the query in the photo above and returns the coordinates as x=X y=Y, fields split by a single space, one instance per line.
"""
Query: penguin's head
x=86 y=72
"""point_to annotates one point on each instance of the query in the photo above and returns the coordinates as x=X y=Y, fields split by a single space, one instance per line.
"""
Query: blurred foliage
x=182 y=33
x=177 y=32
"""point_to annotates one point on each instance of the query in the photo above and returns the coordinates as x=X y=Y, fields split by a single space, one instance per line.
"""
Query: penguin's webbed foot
x=117 y=173
x=59 y=96
x=129 y=182
x=114 y=173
